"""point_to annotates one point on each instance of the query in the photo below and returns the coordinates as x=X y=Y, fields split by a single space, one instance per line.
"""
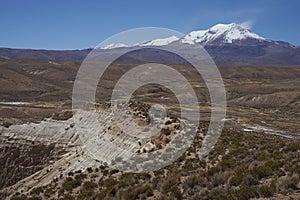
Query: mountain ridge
x=228 y=44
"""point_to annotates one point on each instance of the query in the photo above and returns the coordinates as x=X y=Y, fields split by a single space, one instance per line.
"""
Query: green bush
x=175 y=192
x=48 y=192
x=293 y=147
x=89 y=169
x=37 y=190
x=135 y=191
x=237 y=177
x=68 y=197
x=70 y=183
x=213 y=170
x=292 y=168
x=80 y=176
x=218 y=194
x=227 y=163
x=192 y=181
x=261 y=171
x=168 y=183
x=288 y=183
x=22 y=197
x=267 y=190
x=85 y=194
x=108 y=183
x=113 y=171
x=246 y=192
x=249 y=179
x=89 y=185
x=149 y=191
x=274 y=164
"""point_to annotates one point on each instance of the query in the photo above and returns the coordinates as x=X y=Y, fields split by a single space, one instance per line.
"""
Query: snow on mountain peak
x=226 y=32
x=114 y=45
x=155 y=42
x=159 y=42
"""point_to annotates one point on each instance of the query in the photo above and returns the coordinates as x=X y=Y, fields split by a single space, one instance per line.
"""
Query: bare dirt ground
x=262 y=94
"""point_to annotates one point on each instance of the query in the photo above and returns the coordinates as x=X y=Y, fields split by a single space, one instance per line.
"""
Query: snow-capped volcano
x=218 y=34
x=221 y=33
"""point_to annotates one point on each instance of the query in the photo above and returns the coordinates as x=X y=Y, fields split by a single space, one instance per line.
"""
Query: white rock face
x=65 y=135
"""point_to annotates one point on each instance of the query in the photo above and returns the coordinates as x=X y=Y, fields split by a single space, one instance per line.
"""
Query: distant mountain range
x=228 y=44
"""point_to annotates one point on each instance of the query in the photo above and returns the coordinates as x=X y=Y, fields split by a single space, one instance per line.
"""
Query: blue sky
x=77 y=24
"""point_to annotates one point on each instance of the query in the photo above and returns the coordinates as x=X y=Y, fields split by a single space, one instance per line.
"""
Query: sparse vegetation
x=222 y=177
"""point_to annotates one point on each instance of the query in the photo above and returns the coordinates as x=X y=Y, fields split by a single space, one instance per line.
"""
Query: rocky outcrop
x=36 y=154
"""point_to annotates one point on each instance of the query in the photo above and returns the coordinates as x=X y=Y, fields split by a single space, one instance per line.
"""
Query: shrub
x=37 y=190
x=128 y=179
x=85 y=194
x=192 y=181
x=213 y=170
x=227 y=163
x=70 y=183
x=110 y=182
x=175 y=192
x=277 y=155
x=48 y=192
x=274 y=164
x=218 y=194
x=80 y=176
x=292 y=168
x=70 y=173
x=249 y=179
x=167 y=185
x=134 y=192
x=89 y=185
x=68 y=197
x=261 y=156
x=89 y=169
x=237 y=177
x=267 y=190
x=288 y=183
x=261 y=171
x=246 y=192
x=293 y=147
x=149 y=191
x=113 y=171
x=22 y=197
x=220 y=178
